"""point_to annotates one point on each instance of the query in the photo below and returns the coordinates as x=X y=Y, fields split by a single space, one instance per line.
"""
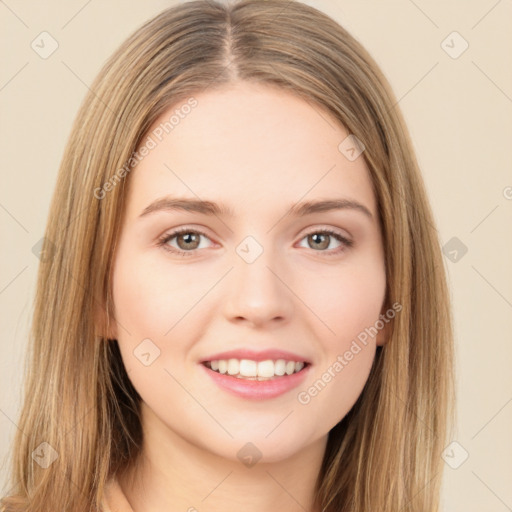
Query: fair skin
x=257 y=150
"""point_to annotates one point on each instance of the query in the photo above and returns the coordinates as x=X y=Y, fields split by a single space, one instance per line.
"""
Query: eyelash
x=162 y=242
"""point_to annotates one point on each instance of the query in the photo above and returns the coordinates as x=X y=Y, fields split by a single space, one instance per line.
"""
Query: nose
x=258 y=293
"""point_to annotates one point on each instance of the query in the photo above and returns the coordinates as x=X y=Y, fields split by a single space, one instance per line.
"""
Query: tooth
x=290 y=367
x=266 y=368
x=280 y=367
x=263 y=370
x=223 y=366
x=248 y=368
x=233 y=366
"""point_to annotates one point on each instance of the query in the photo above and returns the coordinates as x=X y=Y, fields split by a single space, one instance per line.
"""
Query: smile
x=267 y=379
x=255 y=370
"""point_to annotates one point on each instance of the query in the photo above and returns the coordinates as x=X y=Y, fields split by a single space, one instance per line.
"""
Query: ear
x=384 y=334
x=104 y=328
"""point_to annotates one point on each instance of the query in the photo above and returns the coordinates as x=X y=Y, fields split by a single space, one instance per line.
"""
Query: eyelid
x=328 y=229
x=346 y=241
x=169 y=235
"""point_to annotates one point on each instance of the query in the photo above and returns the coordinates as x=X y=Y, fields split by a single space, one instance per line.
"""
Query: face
x=257 y=274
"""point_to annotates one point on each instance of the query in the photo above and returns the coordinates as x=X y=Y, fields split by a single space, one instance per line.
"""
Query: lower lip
x=257 y=389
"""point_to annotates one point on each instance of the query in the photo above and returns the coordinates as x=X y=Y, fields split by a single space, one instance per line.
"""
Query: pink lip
x=256 y=356
x=254 y=389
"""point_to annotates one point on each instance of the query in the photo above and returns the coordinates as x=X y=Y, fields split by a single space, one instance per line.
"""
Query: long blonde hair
x=385 y=455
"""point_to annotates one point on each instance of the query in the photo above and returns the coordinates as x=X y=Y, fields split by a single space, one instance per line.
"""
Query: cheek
x=350 y=308
x=149 y=299
x=151 y=306
x=347 y=299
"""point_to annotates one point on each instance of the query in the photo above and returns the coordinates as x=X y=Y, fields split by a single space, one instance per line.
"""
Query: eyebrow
x=216 y=209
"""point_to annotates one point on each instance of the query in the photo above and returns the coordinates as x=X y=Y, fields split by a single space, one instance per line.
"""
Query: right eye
x=188 y=240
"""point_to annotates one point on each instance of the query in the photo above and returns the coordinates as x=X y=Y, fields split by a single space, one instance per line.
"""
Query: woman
x=244 y=303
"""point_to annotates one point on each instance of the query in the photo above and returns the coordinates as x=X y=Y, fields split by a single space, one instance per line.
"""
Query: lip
x=254 y=355
x=257 y=389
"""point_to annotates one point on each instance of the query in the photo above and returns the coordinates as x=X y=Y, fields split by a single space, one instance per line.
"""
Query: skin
x=258 y=150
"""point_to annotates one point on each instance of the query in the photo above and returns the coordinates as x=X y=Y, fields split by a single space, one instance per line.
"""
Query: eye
x=187 y=240
x=321 y=239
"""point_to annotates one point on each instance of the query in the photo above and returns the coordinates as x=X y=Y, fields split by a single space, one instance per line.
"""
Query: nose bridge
x=257 y=291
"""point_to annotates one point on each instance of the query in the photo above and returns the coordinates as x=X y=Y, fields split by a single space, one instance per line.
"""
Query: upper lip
x=256 y=355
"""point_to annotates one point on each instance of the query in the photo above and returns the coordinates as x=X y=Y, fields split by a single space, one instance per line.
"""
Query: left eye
x=320 y=240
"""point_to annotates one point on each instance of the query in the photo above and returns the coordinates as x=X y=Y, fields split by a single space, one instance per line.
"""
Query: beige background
x=459 y=112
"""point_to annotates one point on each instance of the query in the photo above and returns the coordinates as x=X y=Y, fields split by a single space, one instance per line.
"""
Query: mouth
x=248 y=369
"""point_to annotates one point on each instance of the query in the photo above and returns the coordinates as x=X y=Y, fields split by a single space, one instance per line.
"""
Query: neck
x=174 y=475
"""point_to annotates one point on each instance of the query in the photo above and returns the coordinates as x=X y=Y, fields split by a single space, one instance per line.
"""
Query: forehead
x=248 y=145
